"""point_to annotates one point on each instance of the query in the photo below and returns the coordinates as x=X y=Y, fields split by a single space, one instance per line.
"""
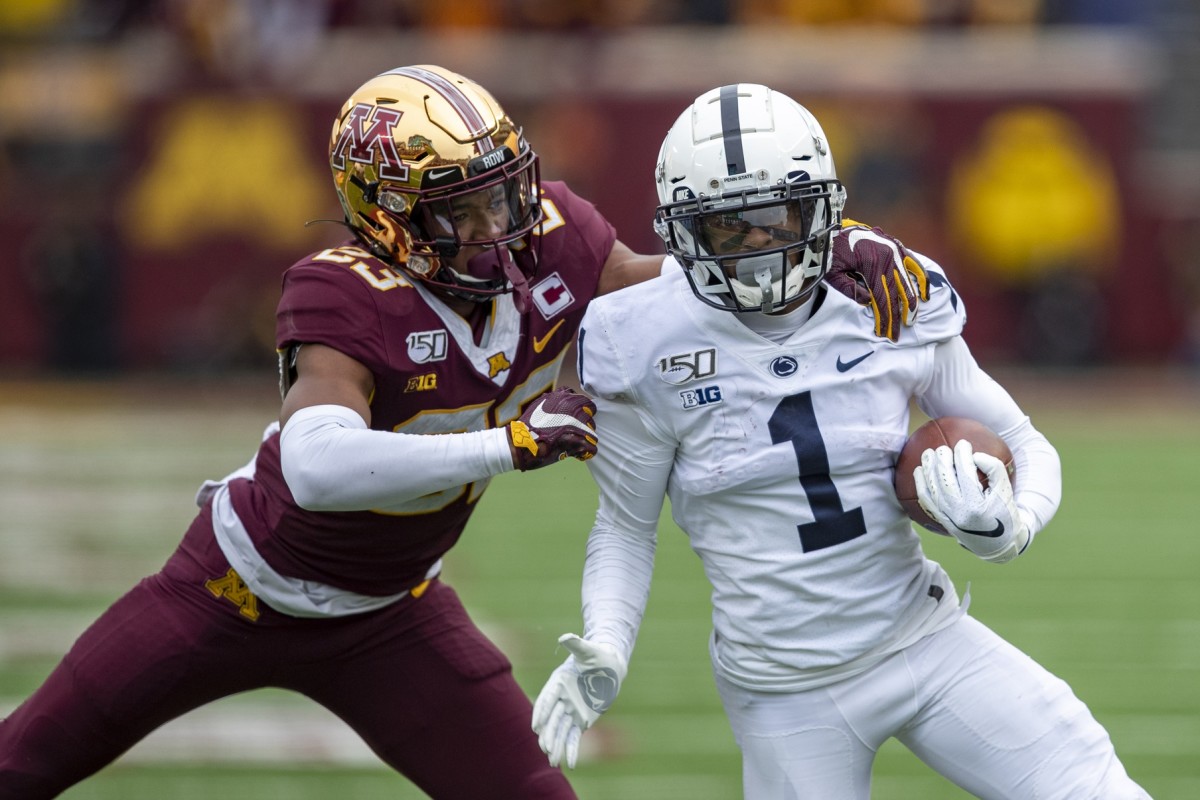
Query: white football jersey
x=778 y=460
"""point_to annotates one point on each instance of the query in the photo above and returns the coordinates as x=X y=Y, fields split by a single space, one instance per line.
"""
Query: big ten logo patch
x=700 y=397
x=426 y=346
x=422 y=383
x=551 y=295
x=684 y=367
x=231 y=587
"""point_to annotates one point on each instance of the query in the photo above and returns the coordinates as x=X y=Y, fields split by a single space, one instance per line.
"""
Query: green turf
x=94 y=495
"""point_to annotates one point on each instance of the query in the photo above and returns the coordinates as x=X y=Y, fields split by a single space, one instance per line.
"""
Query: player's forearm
x=959 y=387
x=616 y=585
x=631 y=471
x=333 y=462
x=1038 y=490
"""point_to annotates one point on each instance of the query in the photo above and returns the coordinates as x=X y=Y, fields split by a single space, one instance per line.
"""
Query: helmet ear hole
x=364 y=220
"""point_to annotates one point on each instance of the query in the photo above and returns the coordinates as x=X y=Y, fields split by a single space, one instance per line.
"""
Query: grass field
x=95 y=489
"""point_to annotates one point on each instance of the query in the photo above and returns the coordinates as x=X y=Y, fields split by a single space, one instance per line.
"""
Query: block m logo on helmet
x=367 y=139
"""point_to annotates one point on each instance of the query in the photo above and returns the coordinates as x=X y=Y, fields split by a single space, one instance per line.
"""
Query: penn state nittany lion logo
x=784 y=366
x=599 y=688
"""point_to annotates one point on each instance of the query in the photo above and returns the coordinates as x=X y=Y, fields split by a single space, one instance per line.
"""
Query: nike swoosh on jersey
x=540 y=419
x=843 y=366
x=540 y=344
x=992 y=534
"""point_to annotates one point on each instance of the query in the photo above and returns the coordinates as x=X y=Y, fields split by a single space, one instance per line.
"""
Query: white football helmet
x=748 y=198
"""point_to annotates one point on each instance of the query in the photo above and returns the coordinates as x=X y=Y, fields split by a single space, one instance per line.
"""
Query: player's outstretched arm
x=333 y=461
x=623 y=267
x=631 y=472
x=875 y=269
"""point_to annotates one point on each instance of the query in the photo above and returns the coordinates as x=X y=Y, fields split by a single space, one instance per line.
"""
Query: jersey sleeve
x=327 y=304
x=602 y=370
x=943 y=316
x=958 y=387
x=631 y=469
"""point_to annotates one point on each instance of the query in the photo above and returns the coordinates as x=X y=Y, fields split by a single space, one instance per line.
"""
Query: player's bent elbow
x=314 y=485
x=316 y=451
x=311 y=487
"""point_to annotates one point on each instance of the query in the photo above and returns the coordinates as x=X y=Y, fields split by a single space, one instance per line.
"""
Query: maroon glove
x=558 y=424
x=875 y=269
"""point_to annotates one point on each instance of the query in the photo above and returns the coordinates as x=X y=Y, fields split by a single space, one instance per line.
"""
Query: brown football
x=935 y=433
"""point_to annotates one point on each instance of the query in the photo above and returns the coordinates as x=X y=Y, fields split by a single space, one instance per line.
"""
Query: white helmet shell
x=747 y=158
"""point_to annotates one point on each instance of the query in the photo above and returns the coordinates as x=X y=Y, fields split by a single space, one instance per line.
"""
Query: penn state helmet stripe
x=454 y=96
x=731 y=125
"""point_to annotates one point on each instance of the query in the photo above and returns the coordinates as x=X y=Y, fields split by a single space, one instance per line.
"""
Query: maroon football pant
x=430 y=694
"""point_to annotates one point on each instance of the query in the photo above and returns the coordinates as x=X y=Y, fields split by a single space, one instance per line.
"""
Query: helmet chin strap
x=760 y=269
x=762 y=276
x=501 y=257
x=521 y=293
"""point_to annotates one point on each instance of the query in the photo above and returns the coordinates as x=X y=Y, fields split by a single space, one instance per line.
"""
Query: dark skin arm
x=327 y=376
x=625 y=268
x=622 y=268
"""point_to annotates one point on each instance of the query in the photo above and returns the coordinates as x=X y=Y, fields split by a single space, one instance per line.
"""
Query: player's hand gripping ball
x=556 y=426
x=944 y=432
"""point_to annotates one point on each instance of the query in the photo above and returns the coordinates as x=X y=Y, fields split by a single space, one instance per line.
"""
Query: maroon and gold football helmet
x=420 y=155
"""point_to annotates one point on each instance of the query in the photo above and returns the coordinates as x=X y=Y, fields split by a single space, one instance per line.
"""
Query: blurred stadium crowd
x=159 y=160
x=72 y=19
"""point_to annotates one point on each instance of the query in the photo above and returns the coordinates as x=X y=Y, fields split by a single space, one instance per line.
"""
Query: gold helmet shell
x=405 y=145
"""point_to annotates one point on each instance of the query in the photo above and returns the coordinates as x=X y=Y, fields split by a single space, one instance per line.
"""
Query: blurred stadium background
x=158 y=161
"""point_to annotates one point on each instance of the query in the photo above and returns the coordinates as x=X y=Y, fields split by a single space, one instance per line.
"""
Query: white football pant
x=965 y=701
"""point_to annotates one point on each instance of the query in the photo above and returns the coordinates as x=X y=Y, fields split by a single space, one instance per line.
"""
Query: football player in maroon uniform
x=417 y=360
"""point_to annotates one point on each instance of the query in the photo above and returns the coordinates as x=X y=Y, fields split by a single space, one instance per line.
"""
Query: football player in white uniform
x=771 y=414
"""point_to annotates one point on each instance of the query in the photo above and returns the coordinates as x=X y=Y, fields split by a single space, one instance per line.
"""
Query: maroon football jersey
x=430 y=377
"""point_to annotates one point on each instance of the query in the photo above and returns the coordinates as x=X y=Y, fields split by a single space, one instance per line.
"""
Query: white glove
x=578 y=692
x=985 y=521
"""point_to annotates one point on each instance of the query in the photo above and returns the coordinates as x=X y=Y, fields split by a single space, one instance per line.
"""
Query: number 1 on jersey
x=795 y=421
